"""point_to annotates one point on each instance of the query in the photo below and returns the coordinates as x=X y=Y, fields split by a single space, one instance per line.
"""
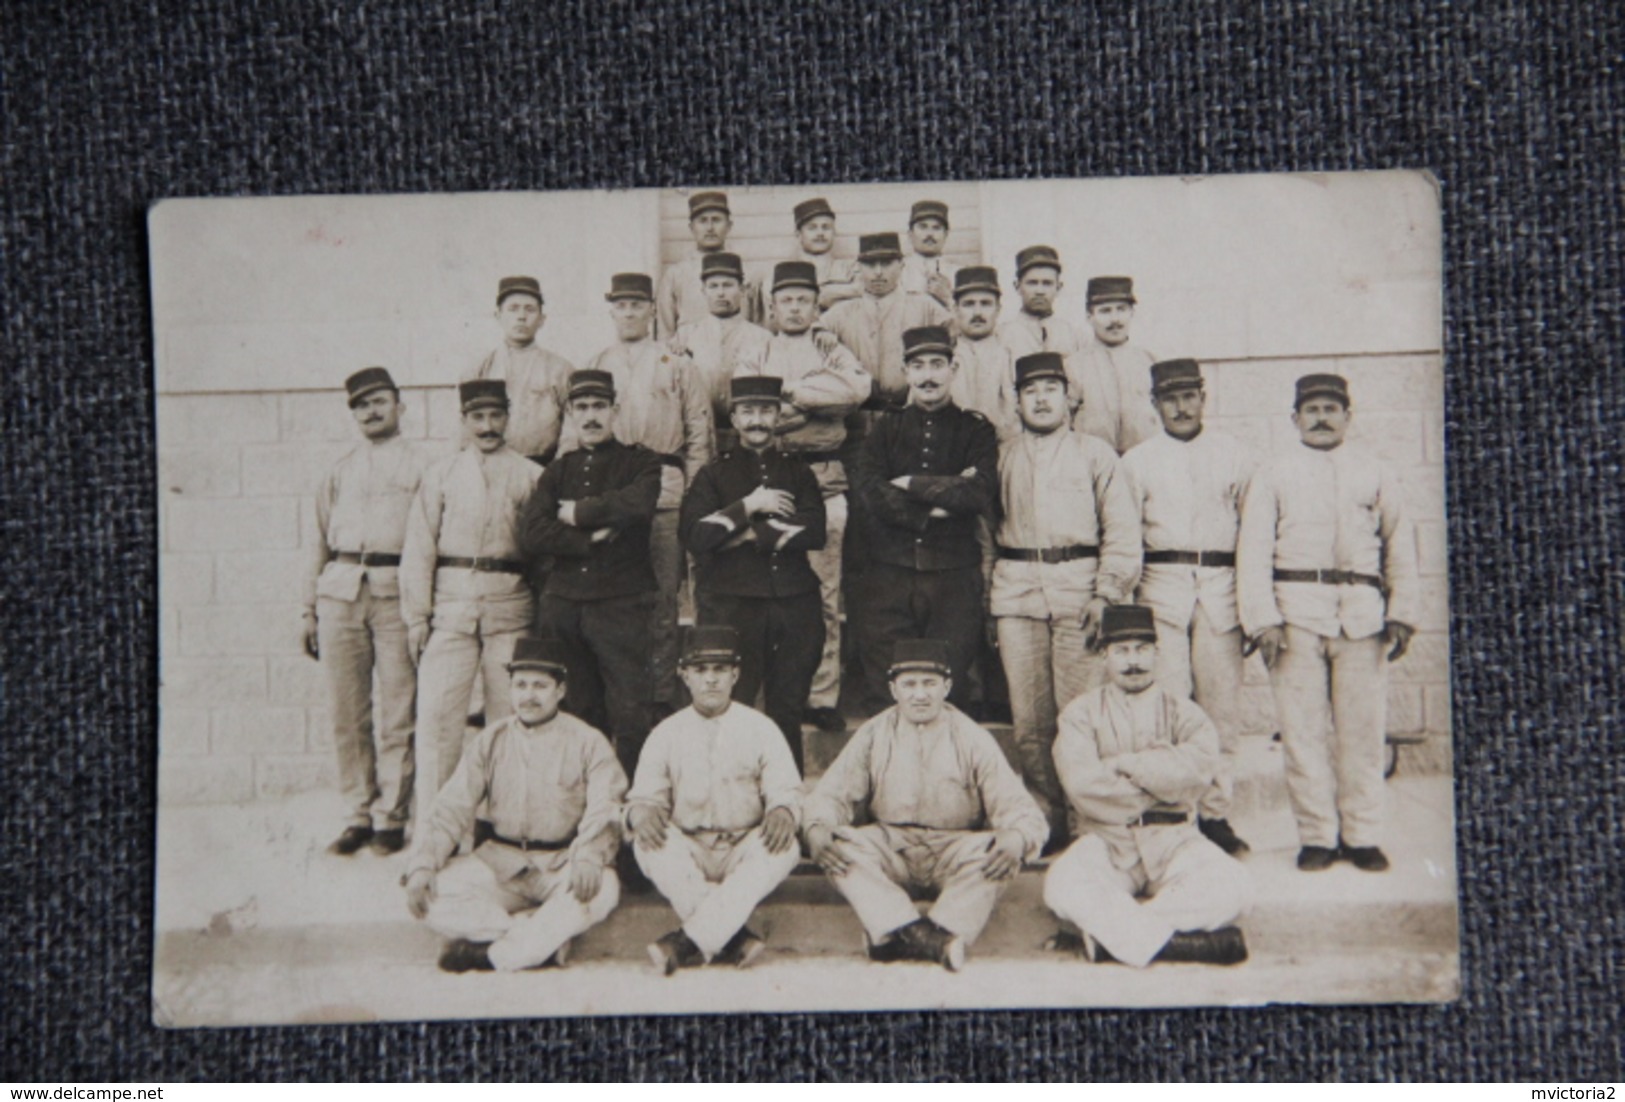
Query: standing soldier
x=536 y=377
x=463 y=590
x=815 y=245
x=682 y=288
x=985 y=375
x=872 y=325
x=1188 y=485
x=749 y=520
x=663 y=405
x=823 y=383
x=925 y=270
x=927 y=475
x=353 y=615
x=720 y=341
x=1108 y=354
x=945 y=812
x=1068 y=546
x=590 y=515
x=1326 y=567
x=713 y=811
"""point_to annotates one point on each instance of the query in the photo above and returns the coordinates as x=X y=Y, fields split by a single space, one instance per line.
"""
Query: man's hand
x=825 y=341
x=603 y=535
x=312 y=646
x=420 y=892
x=778 y=830
x=677 y=345
x=938 y=512
x=828 y=852
x=649 y=824
x=1004 y=856
x=417 y=637
x=766 y=501
x=1400 y=636
x=938 y=287
x=1271 y=643
x=901 y=482
x=586 y=877
x=567 y=513
x=1092 y=620
x=968 y=472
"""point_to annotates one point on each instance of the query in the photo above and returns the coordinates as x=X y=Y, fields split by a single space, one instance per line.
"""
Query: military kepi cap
x=630 y=285
x=813 y=208
x=367 y=380
x=721 y=264
x=926 y=340
x=1322 y=386
x=971 y=279
x=795 y=273
x=1039 y=365
x=483 y=394
x=1109 y=289
x=711 y=643
x=531 y=653
x=880 y=246
x=1123 y=622
x=589 y=383
x=755 y=388
x=921 y=656
x=518 y=285
x=928 y=208
x=1037 y=256
x=1170 y=375
x=702 y=201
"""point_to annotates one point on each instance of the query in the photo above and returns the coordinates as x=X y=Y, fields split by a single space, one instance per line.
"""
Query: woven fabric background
x=1516 y=106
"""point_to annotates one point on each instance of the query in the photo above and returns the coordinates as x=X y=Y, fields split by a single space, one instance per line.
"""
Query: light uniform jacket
x=837 y=280
x=1189 y=494
x=1309 y=509
x=820 y=389
x=664 y=405
x=556 y=783
x=985 y=380
x=718 y=346
x=722 y=774
x=873 y=329
x=1092 y=390
x=1058 y=490
x=1129 y=368
x=680 y=296
x=950 y=775
x=917 y=272
x=538 y=388
x=362 y=505
x=1119 y=755
x=467 y=507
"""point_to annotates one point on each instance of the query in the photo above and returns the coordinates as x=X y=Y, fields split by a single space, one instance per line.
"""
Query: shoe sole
x=751 y=953
x=561 y=955
x=665 y=965
x=953 y=955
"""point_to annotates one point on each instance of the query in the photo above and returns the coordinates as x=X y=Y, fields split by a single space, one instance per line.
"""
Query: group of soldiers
x=1025 y=500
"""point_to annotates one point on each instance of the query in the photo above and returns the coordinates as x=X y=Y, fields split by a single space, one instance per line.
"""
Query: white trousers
x=715 y=880
x=888 y=860
x=446 y=673
x=826 y=563
x=526 y=918
x=1200 y=663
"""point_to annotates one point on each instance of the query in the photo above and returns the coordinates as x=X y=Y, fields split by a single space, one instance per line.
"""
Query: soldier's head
x=519 y=309
x=592 y=406
x=485 y=412
x=928 y=366
x=709 y=220
x=921 y=678
x=537 y=676
x=1322 y=410
x=795 y=296
x=631 y=301
x=710 y=667
x=1041 y=392
x=880 y=263
x=976 y=301
x=375 y=402
x=815 y=226
x=723 y=277
x=1179 y=397
x=928 y=227
x=1110 y=302
x=1130 y=636
x=1038 y=279
x=753 y=407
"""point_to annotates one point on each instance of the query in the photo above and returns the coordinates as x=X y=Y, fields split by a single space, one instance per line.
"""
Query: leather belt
x=487 y=566
x=1050 y=554
x=1329 y=577
x=1159 y=818
x=671 y=461
x=817 y=457
x=1192 y=558
x=485 y=831
x=367 y=558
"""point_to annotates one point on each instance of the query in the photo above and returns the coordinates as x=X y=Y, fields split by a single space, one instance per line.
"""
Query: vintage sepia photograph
x=1003 y=594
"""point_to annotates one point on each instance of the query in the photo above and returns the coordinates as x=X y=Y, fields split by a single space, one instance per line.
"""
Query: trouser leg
x=496 y=651
x=1201 y=888
x=826 y=563
x=714 y=910
x=1174 y=658
x=445 y=681
x=394 y=765
x=1217 y=669
x=1301 y=683
x=1025 y=647
x=1360 y=718
x=1075 y=667
x=666 y=555
x=953 y=614
x=614 y=630
x=470 y=903
x=796 y=643
x=677 y=870
x=537 y=934
x=347 y=654
x=1085 y=888
x=872 y=883
x=889 y=614
x=965 y=897
x=561 y=619
x=748 y=617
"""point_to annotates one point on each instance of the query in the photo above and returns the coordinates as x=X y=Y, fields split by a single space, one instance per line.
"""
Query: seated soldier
x=1143 y=883
x=713 y=810
x=551 y=789
x=948 y=814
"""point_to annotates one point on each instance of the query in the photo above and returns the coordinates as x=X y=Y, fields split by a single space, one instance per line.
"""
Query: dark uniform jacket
x=614 y=485
x=775 y=565
x=933 y=449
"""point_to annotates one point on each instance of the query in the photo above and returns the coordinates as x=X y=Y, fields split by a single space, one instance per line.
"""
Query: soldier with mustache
x=1109 y=355
x=924 y=270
